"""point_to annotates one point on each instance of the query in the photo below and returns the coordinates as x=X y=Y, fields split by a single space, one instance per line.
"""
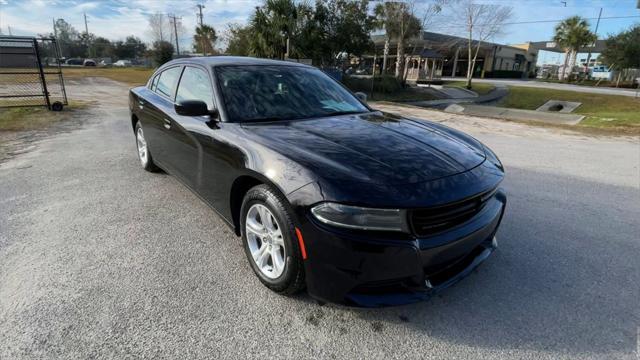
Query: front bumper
x=381 y=270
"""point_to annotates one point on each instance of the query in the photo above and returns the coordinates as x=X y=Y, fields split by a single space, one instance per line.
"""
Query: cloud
x=116 y=19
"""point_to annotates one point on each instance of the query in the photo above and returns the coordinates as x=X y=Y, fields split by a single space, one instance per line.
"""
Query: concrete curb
x=514 y=114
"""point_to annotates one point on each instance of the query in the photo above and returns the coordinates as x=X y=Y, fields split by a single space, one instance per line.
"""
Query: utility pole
x=9 y=27
x=55 y=30
x=201 y=22
x=86 y=31
x=175 y=30
x=586 y=66
x=200 y=7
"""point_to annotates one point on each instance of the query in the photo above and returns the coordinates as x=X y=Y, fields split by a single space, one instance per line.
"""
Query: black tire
x=149 y=165
x=292 y=279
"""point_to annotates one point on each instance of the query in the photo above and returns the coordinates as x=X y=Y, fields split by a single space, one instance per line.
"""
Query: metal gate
x=30 y=73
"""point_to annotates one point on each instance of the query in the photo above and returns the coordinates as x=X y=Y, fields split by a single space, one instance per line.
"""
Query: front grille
x=430 y=221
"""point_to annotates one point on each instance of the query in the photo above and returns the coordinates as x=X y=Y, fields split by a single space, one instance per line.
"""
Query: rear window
x=167 y=81
x=154 y=83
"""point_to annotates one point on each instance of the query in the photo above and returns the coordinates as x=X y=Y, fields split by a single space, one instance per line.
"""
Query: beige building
x=448 y=57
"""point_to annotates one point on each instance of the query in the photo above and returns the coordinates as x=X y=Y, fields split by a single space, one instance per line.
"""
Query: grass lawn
x=480 y=88
x=133 y=76
x=34 y=117
x=601 y=111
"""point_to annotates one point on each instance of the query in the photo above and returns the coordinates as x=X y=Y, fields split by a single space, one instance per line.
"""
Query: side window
x=195 y=85
x=168 y=80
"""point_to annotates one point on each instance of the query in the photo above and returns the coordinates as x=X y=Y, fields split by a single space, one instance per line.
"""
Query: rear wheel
x=269 y=240
x=146 y=160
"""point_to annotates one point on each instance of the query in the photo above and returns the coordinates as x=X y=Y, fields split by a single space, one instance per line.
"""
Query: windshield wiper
x=351 y=112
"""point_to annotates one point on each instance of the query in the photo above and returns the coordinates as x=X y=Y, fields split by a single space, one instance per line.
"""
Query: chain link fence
x=30 y=73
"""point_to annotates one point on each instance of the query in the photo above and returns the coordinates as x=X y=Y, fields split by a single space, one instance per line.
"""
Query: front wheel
x=268 y=235
x=143 y=150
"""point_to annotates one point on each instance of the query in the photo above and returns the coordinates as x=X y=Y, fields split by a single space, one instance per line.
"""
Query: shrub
x=162 y=52
x=381 y=84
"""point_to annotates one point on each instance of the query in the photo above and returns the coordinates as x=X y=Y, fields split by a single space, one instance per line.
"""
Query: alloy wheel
x=142 y=147
x=266 y=244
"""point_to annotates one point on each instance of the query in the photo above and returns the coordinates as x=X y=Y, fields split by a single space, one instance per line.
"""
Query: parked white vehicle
x=122 y=63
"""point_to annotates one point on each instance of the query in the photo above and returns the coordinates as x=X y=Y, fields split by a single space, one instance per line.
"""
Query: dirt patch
x=87 y=97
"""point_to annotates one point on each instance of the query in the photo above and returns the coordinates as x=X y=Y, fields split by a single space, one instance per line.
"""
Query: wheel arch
x=239 y=188
x=134 y=121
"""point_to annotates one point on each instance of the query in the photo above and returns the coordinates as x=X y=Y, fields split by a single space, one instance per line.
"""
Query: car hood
x=373 y=147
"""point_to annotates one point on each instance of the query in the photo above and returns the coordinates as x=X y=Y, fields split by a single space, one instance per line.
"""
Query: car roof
x=230 y=60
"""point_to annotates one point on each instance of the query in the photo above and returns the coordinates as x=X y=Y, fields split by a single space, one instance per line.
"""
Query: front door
x=186 y=133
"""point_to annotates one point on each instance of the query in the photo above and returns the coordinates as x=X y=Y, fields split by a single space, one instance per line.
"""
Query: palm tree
x=274 y=25
x=400 y=24
x=383 y=22
x=204 y=39
x=572 y=34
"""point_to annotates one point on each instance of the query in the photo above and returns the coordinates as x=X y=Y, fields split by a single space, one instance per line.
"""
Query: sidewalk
x=554 y=86
x=499 y=92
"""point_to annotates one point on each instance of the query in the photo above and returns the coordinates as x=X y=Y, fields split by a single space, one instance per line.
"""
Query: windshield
x=280 y=92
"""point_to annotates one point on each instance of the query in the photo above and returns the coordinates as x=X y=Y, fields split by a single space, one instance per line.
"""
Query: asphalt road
x=558 y=86
x=100 y=259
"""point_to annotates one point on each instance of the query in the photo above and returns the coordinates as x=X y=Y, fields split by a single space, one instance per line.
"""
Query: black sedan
x=358 y=206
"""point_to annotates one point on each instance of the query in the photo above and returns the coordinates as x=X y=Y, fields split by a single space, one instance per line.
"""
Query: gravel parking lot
x=99 y=259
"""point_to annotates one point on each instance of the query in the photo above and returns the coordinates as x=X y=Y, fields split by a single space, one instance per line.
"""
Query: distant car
x=358 y=206
x=122 y=63
x=89 y=62
x=74 y=62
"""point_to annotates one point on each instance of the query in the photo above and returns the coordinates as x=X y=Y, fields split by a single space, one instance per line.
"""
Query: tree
x=623 y=49
x=159 y=27
x=283 y=29
x=102 y=47
x=204 y=39
x=162 y=52
x=68 y=39
x=273 y=24
x=572 y=34
x=482 y=22
x=238 y=38
x=311 y=35
x=348 y=26
x=131 y=48
x=400 y=24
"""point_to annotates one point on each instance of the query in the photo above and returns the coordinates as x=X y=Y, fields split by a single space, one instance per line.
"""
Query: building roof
x=428 y=53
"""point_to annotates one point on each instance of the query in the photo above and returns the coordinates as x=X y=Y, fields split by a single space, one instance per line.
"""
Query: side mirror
x=361 y=96
x=192 y=108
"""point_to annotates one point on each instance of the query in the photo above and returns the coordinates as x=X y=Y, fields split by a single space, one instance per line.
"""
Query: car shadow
x=565 y=277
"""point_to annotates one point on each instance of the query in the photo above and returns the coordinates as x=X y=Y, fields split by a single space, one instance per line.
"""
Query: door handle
x=167 y=124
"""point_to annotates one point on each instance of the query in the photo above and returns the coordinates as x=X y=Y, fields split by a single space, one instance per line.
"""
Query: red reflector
x=301 y=242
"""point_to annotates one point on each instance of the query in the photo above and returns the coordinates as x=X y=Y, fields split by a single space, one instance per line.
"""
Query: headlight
x=354 y=217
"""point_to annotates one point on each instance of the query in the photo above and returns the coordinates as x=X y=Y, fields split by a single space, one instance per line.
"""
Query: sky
x=116 y=19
